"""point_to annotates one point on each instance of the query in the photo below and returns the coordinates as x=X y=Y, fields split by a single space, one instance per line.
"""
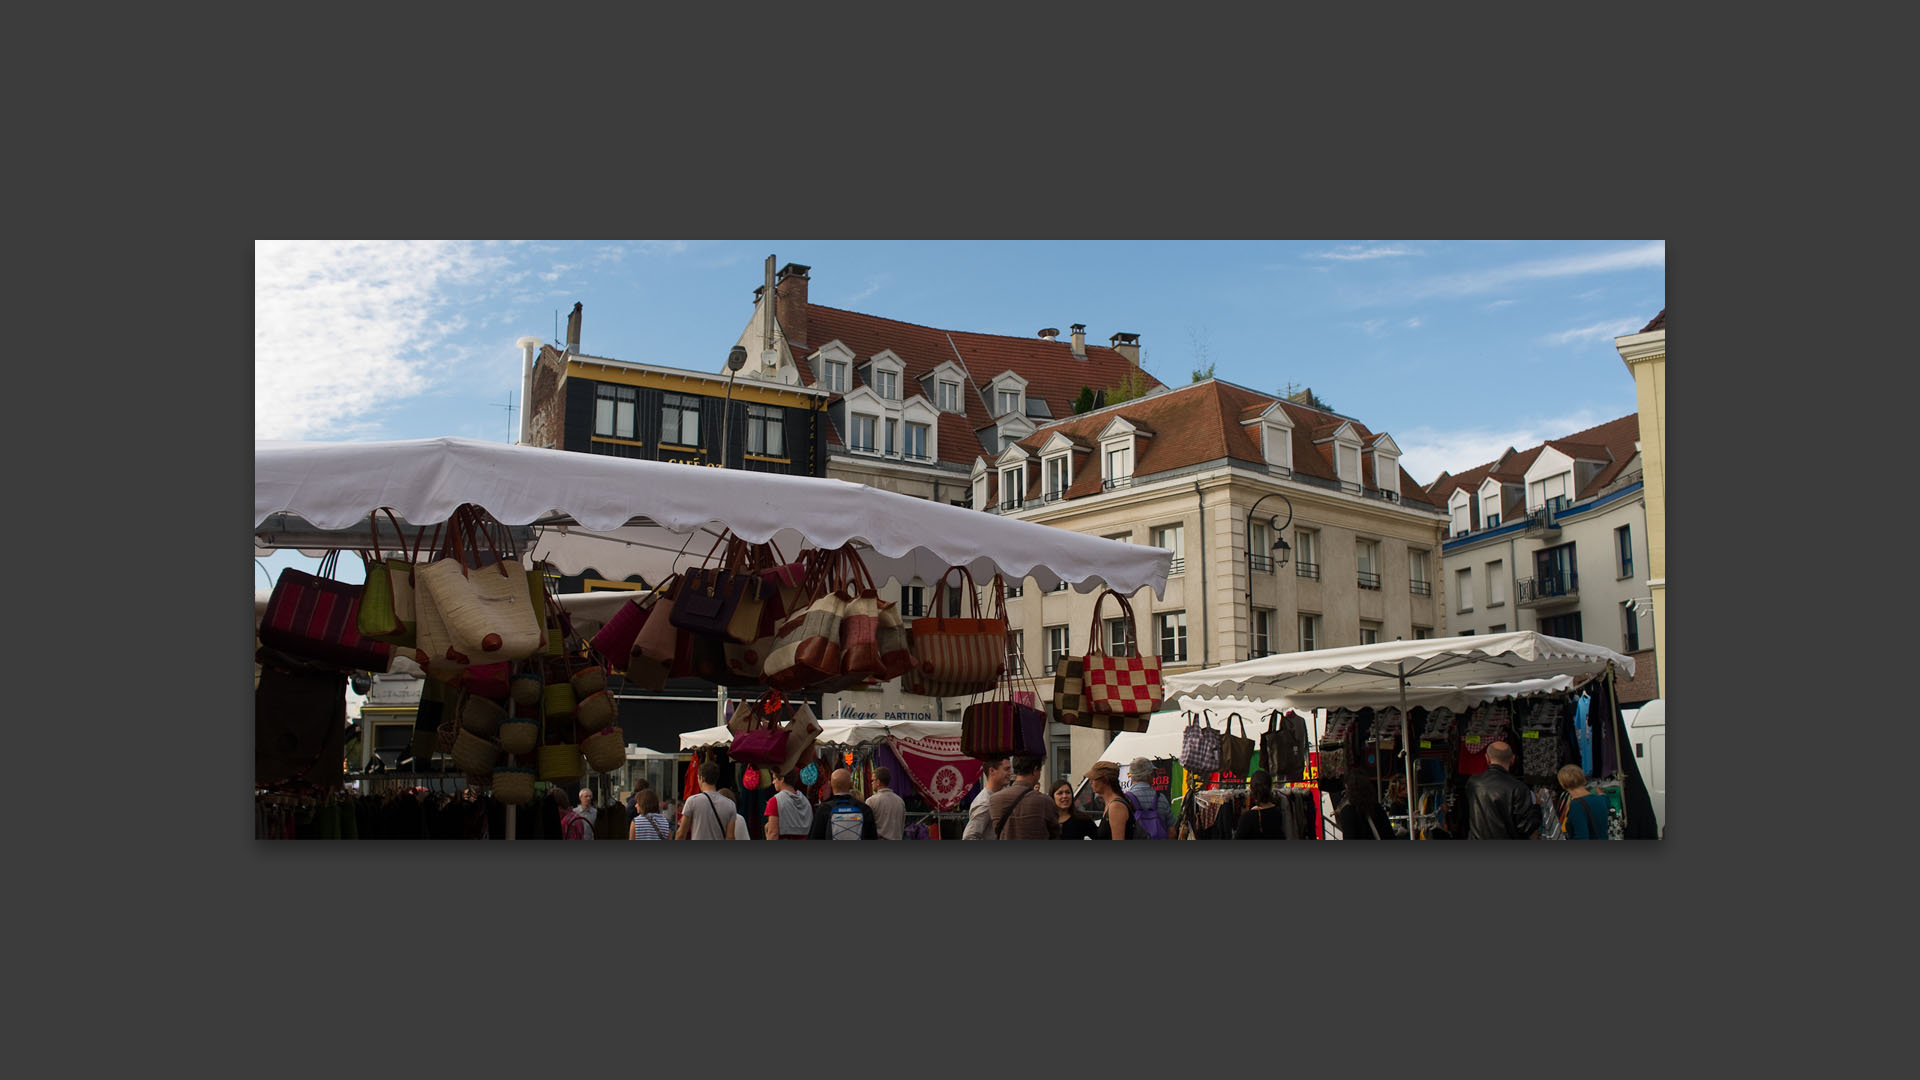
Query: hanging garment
x=940 y=772
x=1583 y=733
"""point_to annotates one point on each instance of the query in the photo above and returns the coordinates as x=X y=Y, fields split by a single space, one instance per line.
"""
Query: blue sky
x=1456 y=348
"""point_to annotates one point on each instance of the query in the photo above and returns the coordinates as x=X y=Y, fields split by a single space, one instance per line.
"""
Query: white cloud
x=558 y=269
x=1498 y=304
x=660 y=247
x=1426 y=451
x=1371 y=326
x=1591 y=295
x=1357 y=252
x=1413 y=323
x=345 y=328
x=874 y=285
x=1478 y=281
x=1600 y=331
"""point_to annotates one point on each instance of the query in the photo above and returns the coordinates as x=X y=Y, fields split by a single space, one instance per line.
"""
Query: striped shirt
x=652 y=826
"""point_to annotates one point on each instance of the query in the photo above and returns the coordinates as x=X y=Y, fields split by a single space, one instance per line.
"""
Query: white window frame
x=913 y=601
x=949 y=392
x=1463 y=590
x=1261 y=630
x=872 y=424
x=1496 y=583
x=1114 y=634
x=1309 y=631
x=1016 y=497
x=887 y=384
x=1058 y=467
x=891 y=446
x=917 y=448
x=1366 y=560
x=1059 y=646
x=1369 y=632
x=1417 y=566
x=1008 y=402
x=833 y=375
x=1460 y=513
x=1306 y=552
x=1172 y=646
x=1016 y=653
x=1122 y=453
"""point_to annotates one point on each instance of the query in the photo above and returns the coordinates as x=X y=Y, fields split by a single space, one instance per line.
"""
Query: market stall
x=623 y=517
x=1399 y=676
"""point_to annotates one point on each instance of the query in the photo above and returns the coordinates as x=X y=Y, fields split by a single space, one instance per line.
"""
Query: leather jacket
x=1500 y=807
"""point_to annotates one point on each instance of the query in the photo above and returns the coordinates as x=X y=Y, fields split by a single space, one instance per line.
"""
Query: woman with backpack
x=1117 y=823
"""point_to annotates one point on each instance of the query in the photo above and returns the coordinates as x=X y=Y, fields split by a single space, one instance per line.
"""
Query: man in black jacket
x=1499 y=806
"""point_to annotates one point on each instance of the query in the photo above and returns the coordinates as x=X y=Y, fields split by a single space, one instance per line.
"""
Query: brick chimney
x=1080 y=340
x=790 y=302
x=1127 y=345
x=573 y=330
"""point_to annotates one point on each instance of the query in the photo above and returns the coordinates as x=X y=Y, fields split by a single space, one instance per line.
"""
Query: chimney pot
x=573 y=329
x=1127 y=345
x=1050 y=333
x=1080 y=339
x=790 y=302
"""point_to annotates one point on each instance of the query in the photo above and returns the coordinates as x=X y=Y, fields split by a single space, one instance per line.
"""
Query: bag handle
x=973 y=591
x=1132 y=639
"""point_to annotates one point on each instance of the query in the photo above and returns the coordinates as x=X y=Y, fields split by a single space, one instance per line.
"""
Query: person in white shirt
x=979 y=823
x=889 y=810
x=707 y=815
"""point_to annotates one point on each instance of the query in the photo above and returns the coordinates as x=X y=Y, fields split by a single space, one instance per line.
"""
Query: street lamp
x=1280 y=551
x=736 y=359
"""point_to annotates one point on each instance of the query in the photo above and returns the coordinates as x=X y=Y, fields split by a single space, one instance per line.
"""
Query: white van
x=1647 y=728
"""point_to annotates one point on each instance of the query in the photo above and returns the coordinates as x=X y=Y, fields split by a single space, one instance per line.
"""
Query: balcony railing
x=1307 y=570
x=1177 y=565
x=1011 y=504
x=1260 y=564
x=1369 y=580
x=1552 y=589
x=1421 y=588
x=1115 y=484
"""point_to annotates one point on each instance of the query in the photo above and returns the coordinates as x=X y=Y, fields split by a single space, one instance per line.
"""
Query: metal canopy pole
x=1406 y=744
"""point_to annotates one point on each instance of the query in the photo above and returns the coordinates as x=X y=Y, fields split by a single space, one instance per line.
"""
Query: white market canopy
x=1165 y=730
x=840 y=731
x=1336 y=677
x=624 y=516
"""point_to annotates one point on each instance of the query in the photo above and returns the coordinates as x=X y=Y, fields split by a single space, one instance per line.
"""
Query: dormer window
x=916 y=444
x=1348 y=458
x=1056 y=474
x=1119 y=464
x=1490 y=499
x=1007 y=401
x=833 y=376
x=1544 y=491
x=888 y=384
x=1459 y=510
x=950 y=396
x=1013 y=487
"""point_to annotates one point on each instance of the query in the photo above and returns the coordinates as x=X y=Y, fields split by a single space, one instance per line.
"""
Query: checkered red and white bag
x=1120 y=684
x=1123 y=684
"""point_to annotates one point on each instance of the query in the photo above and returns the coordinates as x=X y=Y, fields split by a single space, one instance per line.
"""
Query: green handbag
x=386 y=600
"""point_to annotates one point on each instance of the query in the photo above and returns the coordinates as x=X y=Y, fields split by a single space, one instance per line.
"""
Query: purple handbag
x=765 y=747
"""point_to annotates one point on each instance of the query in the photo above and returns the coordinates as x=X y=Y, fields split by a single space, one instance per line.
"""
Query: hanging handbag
x=955 y=656
x=807 y=651
x=605 y=750
x=314 y=617
x=386 y=596
x=708 y=595
x=803 y=732
x=765 y=743
x=299 y=721
x=1200 y=745
x=614 y=641
x=488 y=609
x=1236 y=751
x=1120 y=684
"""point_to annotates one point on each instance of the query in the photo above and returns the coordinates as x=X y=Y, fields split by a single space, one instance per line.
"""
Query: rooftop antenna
x=510 y=411
x=556 y=328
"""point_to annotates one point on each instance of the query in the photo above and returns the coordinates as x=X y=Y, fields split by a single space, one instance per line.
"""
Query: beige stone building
x=1554 y=539
x=986 y=421
x=1645 y=355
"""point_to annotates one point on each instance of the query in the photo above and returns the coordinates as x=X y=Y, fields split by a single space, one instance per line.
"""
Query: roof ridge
x=943 y=329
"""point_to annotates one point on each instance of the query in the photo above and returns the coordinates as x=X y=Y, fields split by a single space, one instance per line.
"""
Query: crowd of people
x=1010 y=806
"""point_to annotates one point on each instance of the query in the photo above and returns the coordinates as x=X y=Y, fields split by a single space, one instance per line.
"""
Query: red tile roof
x=1659 y=323
x=1611 y=442
x=1053 y=373
x=1200 y=423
